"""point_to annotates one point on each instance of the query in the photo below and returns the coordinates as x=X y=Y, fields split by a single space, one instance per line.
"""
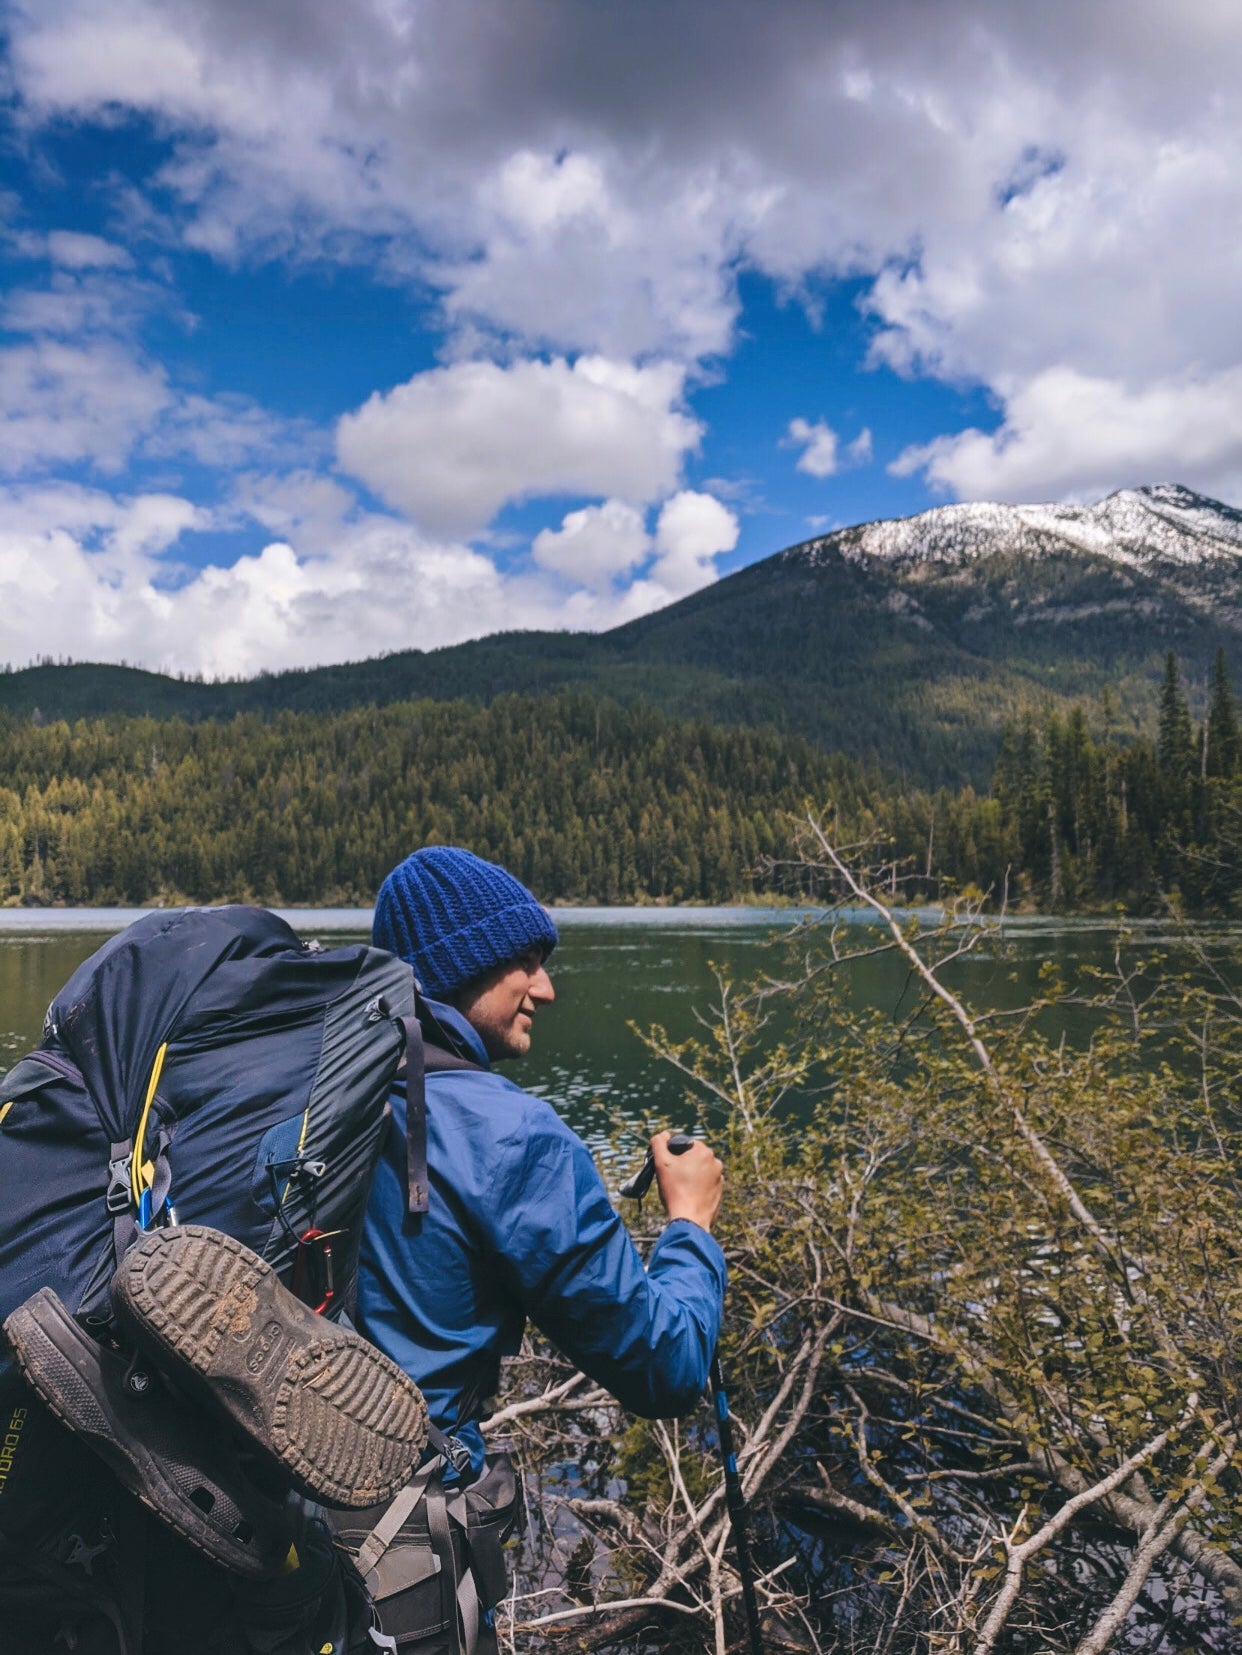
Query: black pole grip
x=636 y=1187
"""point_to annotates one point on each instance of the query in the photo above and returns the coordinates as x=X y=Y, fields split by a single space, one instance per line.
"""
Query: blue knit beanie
x=453 y=916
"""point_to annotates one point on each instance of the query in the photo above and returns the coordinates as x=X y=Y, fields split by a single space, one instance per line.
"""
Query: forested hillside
x=582 y=800
x=908 y=645
x=588 y=801
x=1078 y=822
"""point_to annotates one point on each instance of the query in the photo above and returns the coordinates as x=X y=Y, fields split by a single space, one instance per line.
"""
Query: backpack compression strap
x=415 y=1559
x=415 y=1118
x=422 y=1059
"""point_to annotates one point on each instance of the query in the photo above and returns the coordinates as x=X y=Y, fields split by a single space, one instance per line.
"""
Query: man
x=519 y=1223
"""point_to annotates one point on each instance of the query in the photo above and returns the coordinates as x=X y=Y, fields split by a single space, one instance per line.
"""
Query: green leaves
x=993 y=1355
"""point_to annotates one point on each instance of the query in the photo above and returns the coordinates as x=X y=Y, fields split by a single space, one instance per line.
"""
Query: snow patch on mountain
x=1140 y=527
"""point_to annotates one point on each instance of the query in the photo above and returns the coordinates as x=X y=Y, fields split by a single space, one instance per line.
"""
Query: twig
x=1018 y=1555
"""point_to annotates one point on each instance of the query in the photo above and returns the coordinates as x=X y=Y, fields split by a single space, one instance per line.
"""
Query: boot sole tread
x=342 y=1419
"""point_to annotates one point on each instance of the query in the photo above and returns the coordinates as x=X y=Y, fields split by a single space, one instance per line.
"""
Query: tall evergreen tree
x=1175 y=737
x=1222 y=723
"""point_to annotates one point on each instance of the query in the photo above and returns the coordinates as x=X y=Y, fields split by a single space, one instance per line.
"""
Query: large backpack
x=206 y=1066
x=208 y=1059
x=208 y=1062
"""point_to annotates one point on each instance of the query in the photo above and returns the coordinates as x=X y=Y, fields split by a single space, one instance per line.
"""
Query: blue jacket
x=520 y=1225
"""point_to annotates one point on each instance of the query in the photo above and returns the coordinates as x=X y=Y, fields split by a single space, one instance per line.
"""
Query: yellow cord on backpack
x=141 y=1176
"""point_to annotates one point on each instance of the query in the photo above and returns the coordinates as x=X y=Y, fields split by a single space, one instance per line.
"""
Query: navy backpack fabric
x=268 y=1110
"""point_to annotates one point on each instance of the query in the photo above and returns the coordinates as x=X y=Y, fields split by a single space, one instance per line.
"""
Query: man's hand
x=691 y=1184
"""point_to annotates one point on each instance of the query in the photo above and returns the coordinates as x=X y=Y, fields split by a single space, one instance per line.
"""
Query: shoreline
x=53 y=921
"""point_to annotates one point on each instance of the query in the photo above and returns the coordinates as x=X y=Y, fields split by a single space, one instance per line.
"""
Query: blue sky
x=329 y=329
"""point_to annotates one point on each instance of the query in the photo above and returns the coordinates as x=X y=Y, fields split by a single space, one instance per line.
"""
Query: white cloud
x=589 y=185
x=452 y=445
x=787 y=137
x=84 y=306
x=63 y=404
x=152 y=523
x=99 y=403
x=822 y=454
x=301 y=505
x=568 y=252
x=145 y=523
x=86 y=576
x=537 y=193
x=594 y=546
x=691 y=532
x=227 y=431
x=89 y=576
x=385 y=589
x=1119 y=260
x=63 y=309
x=859 y=451
x=74 y=57
x=79 y=389
x=77 y=571
x=790 y=138
x=1071 y=436
x=75 y=251
x=819 y=447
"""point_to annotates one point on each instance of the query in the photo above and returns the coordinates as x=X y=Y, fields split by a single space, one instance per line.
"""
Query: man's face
x=501 y=1006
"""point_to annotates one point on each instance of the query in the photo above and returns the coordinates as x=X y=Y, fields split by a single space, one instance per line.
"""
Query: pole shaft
x=735 y=1501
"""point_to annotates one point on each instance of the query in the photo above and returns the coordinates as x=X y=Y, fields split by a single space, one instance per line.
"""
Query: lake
x=613 y=967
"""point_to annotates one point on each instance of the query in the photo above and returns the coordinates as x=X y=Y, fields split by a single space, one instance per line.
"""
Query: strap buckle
x=119 y=1197
x=459 y=1455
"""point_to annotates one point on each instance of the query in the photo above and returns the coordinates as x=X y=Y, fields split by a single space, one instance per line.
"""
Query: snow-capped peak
x=1164 y=523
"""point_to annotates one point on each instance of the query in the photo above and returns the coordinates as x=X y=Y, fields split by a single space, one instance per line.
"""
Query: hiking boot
x=179 y=1465
x=344 y=1424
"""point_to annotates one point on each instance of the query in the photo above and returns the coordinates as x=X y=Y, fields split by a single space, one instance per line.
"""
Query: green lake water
x=614 y=967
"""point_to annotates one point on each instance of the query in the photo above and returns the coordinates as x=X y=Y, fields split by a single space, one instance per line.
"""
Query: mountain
x=908 y=641
x=1145 y=528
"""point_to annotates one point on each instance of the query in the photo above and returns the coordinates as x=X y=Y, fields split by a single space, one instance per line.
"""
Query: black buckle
x=119 y=1197
x=459 y=1455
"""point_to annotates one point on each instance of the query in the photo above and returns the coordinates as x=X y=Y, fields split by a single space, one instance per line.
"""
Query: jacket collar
x=457 y=1026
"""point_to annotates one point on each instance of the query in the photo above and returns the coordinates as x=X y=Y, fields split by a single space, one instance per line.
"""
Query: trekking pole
x=735 y=1495
x=636 y=1187
x=735 y=1500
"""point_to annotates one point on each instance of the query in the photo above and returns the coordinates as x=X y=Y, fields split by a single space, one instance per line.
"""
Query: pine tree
x=1174 y=741
x=1222 y=723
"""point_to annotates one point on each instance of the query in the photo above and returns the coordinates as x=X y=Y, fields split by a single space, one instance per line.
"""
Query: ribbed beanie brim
x=453 y=916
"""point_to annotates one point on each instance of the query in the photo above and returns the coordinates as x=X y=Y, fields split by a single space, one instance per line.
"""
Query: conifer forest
x=589 y=801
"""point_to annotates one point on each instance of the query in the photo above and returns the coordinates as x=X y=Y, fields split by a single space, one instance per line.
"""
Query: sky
x=336 y=327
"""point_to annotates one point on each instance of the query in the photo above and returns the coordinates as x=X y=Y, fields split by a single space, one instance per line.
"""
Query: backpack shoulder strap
x=421 y=1059
x=435 y=1059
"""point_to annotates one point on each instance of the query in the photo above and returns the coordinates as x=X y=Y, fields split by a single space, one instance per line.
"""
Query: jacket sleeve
x=646 y=1334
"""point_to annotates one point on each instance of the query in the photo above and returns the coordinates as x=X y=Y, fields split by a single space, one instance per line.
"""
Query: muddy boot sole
x=179 y=1467
x=344 y=1423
